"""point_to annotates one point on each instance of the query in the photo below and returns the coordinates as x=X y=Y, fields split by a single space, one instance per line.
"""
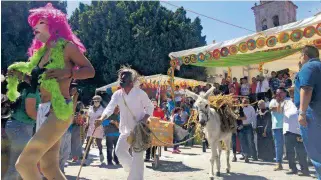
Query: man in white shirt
x=293 y=140
x=178 y=97
x=134 y=106
x=262 y=87
x=246 y=133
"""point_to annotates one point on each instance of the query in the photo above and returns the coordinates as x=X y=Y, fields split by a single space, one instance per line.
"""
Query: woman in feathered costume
x=54 y=53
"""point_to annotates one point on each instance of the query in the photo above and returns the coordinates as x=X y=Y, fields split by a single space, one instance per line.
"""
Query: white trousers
x=133 y=164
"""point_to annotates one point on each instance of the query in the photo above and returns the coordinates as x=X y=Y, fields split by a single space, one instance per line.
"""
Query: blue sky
x=237 y=12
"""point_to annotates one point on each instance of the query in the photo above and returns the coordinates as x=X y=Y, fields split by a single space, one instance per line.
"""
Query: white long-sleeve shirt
x=138 y=103
x=290 y=118
x=262 y=86
x=250 y=114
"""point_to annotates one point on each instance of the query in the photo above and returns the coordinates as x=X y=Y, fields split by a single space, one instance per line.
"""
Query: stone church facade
x=269 y=14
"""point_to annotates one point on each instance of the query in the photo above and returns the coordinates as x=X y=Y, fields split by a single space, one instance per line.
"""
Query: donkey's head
x=202 y=105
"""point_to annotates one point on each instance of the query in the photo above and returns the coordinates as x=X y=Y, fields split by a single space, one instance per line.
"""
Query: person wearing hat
x=94 y=112
x=135 y=107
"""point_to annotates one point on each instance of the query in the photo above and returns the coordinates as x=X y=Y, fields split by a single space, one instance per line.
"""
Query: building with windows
x=269 y=14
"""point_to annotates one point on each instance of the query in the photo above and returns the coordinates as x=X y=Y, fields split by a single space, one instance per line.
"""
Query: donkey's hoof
x=227 y=171
x=211 y=178
x=218 y=174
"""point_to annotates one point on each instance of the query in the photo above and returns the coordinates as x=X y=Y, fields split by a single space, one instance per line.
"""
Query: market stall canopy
x=155 y=79
x=262 y=47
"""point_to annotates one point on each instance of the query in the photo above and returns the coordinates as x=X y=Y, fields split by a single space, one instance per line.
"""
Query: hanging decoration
x=246 y=59
x=193 y=58
x=170 y=71
x=173 y=63
x=240 y=54
x=271 y=41
x=201 y=57
x=208 y=56
x=296 y=35
x=216 y=54
x=179 y=61
x=229 y=72
x=318 y=28
x=283 y=37
x=309 y=32
x=233 y=50
x=261 y=67
x=243 y=47
x=260 y=42
x=224 y=52
x=186 y=60
x=251 y=44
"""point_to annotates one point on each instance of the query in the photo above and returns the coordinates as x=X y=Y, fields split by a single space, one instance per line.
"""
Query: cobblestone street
x=191 y=164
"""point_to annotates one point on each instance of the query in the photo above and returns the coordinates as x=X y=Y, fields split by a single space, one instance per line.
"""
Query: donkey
x=210 y=119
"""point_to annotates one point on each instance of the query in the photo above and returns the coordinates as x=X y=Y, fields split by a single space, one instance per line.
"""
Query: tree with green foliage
x=16 y=34
x=140 y=34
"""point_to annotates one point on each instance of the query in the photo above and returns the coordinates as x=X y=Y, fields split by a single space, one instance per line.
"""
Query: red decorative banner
x=216 y=54
x=309 y=32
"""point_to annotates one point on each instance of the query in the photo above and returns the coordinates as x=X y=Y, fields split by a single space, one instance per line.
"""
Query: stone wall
x=285 y=10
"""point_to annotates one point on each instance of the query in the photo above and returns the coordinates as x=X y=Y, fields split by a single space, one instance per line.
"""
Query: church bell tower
x=269 y=14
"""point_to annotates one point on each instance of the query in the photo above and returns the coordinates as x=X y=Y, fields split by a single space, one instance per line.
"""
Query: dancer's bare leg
x=49 y=163
x=45 y=140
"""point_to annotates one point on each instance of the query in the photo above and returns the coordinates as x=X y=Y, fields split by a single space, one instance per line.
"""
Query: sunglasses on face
x=96 y=101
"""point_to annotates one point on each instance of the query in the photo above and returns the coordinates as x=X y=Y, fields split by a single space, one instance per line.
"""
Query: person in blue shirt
x=307 y=98
x=170 y=106
x=111 y=130
x=274 y=82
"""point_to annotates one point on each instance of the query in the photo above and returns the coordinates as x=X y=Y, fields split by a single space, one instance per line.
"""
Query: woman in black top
x=264 y=133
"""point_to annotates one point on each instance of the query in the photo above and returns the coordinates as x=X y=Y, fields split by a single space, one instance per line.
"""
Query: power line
x=224 y=22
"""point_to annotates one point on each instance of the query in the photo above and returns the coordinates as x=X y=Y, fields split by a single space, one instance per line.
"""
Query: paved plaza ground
x=191 y=164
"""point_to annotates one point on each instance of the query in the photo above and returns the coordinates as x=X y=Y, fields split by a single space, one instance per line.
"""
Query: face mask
x=125 y=79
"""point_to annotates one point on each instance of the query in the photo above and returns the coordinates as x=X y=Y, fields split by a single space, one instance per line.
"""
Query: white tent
x=157 y=77
x=243 y=54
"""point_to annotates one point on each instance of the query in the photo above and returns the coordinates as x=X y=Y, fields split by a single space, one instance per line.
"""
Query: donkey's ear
x=191 y=94
x=209 y=92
